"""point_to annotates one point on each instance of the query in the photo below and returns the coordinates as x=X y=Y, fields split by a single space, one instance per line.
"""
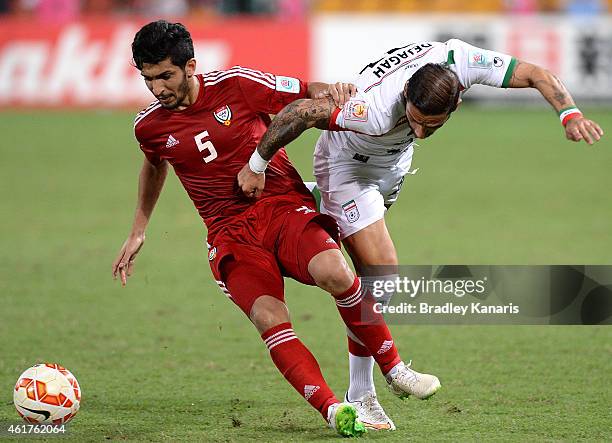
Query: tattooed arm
x=294 y=119
x=288 y=124
x=527 y=75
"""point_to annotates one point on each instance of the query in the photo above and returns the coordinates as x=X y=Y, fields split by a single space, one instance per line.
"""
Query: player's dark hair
x=434 y=89
x=160 y=40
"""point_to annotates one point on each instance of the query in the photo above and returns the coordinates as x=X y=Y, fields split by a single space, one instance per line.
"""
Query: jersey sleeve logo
x=287 y=84
x=223 y=115
x=479 y=59
x=356 y=110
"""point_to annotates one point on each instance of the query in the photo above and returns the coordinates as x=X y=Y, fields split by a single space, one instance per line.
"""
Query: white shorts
x=356 y=190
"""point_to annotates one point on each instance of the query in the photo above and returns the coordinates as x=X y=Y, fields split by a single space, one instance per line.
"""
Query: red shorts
x=276 y=237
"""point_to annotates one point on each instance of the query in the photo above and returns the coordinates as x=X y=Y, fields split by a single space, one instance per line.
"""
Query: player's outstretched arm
x=577 y=127
x=288 y=124
x=150 y=184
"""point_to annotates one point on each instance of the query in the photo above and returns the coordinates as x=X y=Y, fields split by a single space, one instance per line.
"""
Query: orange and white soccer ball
x=47 y=393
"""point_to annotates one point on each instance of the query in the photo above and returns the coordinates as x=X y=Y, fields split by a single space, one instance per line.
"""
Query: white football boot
x=371 y=413
x=404 y=382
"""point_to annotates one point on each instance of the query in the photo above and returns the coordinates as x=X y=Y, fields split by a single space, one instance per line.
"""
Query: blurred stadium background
x=78 y=54
x=169 y=358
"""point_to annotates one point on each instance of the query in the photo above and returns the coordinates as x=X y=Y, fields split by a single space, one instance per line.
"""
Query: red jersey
x=210 y=141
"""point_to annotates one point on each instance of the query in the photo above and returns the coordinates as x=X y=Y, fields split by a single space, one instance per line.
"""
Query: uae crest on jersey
x=350 y=211
x=223 y=115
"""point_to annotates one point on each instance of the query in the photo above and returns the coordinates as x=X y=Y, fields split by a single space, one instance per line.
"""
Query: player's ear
x=458 y=103
x=190 y=67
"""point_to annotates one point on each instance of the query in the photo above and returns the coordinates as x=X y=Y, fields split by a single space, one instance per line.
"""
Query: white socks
x=361 y=379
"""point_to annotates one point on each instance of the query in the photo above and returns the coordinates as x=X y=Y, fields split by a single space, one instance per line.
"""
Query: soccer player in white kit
x=366 y=149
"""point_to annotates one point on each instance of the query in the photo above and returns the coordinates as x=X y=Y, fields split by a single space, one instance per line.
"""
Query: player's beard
x=181 y=94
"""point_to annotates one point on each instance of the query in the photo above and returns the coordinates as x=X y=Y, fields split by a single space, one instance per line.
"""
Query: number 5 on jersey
x=206 y=145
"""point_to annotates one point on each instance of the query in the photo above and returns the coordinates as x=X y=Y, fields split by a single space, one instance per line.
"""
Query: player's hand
x=251 y=183
x=339 y=92
x=124 y=263
x=581 y=128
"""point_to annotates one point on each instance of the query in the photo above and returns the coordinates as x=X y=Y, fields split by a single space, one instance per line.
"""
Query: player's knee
x=379 y=256
x=268 y=312
x=384 y=257
x=331 y=272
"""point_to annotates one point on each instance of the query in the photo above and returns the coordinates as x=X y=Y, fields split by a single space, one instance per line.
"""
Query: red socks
x=357 y=349
x=357 y=311
x=299 y=366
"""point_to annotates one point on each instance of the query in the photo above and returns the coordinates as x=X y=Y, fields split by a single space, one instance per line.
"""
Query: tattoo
x=553 y=90
x=294 y=119
x=559 y=91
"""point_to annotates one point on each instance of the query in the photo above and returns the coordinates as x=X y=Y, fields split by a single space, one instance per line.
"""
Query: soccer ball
x=47 y=393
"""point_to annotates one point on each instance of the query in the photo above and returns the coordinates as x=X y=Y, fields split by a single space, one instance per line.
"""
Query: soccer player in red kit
x=206 y=127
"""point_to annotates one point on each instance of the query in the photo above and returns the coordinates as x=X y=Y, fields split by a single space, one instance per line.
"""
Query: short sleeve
x=151 y=154
x=359 y=114
x=269 y=93
x=474 y=65
x=141 y=133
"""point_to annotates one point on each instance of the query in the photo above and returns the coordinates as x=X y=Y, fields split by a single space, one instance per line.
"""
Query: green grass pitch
x=170 y=358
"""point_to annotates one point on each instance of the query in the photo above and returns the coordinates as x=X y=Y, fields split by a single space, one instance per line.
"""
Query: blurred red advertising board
x=87 y=63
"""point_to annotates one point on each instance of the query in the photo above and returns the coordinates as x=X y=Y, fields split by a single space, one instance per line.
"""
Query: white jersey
x=373 y=123
x=360 y=170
